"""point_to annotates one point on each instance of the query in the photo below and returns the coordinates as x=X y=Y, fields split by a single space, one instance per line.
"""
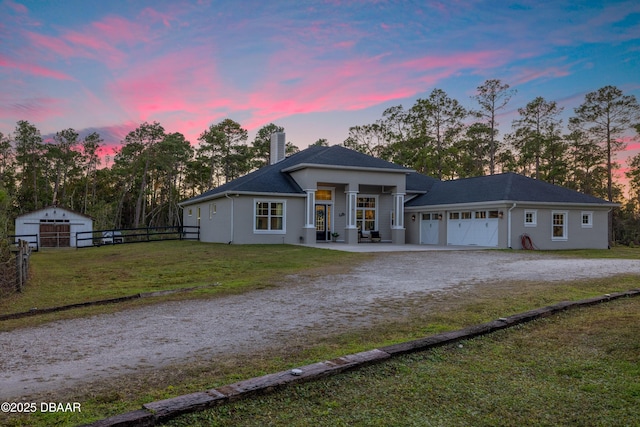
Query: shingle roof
x=501 y=187
x=274 y=179
x=418 y=183
x=337 y=155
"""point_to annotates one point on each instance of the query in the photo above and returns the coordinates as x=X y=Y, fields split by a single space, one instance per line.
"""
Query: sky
x=314 y=67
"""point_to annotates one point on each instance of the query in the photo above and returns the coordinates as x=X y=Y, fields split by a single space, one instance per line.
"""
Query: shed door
x=55 y=235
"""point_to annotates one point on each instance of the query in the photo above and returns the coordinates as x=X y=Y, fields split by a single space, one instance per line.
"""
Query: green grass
x=580 y=368
x=63 y=277
x=407 y=319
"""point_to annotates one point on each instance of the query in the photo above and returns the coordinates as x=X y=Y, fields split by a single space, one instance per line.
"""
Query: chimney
x=278 y=146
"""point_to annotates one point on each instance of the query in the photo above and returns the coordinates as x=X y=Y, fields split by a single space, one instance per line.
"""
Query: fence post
x=19 y=267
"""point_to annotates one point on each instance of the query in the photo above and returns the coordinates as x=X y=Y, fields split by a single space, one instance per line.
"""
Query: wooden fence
x=14 y=272
x=87 y=239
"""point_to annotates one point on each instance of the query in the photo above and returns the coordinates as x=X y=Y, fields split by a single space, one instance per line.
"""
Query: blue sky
x=314 y=67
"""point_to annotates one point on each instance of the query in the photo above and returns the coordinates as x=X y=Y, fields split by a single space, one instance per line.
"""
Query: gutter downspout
x=232 y=206
x=509 y=225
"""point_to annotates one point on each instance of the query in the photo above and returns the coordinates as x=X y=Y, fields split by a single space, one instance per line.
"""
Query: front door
x=323 y=222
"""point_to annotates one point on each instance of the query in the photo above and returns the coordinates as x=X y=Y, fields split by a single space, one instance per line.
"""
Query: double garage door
x=477 y=228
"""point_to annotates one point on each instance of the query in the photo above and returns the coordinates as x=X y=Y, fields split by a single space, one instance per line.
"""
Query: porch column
x=310 y=209
x=351 y=230
x=397 y=230
x=309 y=230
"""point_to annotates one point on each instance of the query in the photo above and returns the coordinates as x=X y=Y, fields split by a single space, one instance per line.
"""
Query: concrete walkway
x=390 y=247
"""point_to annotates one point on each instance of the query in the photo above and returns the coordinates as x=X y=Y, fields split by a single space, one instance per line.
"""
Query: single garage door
x=473 y=228
x=429 y=229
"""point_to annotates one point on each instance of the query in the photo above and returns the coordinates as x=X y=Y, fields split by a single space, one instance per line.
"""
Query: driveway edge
x=160 y=411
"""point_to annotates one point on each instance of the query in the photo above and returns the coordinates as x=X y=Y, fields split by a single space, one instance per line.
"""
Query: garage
x=473 y=228
x=53 y=227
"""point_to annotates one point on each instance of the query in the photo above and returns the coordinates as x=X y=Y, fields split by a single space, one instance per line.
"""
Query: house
x=53 y=227
x=325 y=192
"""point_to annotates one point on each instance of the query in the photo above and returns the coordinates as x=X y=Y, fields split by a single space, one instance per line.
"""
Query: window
x=465 y=215
x=559 y=226
x=494 y=214
x=454 y=215
x=212 y=210
x=481 y=214
x=530 y=218
x=366 y=218
x=426 y=217
x=587 y=219
x=270 y=216
x=190 y=212
x=324 y=195
x=198 y=214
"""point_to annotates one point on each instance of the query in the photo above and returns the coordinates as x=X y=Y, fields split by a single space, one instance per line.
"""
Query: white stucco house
x=320 y=191
x=53 y=227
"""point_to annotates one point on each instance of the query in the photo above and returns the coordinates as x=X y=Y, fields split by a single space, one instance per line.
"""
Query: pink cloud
x=158 y=16
x=33 y=69
x=50 y=44
x=36 y=109
x=16 y=7
x=353 y=84
x=101 y=40
x=180 y=90
x=527 y=75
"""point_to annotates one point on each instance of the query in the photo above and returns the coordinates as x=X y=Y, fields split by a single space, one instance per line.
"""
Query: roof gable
x=56 y=208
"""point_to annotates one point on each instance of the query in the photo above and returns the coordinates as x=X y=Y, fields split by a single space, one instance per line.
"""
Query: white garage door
x=429 y=229
x=473 y=228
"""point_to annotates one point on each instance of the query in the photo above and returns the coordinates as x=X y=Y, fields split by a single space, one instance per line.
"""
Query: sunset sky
x=314 y=67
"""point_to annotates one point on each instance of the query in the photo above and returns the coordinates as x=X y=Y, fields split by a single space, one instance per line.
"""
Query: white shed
x=54 y=227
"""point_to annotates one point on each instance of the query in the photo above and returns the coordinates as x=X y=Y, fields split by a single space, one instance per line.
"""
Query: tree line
x=153 y=170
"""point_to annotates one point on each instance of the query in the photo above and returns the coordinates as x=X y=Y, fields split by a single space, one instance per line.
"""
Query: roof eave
x=468 y=205
x=224 y=194
x=340 y=167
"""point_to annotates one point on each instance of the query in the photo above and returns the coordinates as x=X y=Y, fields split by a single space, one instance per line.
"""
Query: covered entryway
x=476 y=228
x=429 y=224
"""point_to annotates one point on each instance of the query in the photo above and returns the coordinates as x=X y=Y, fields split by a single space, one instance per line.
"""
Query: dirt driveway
x=65 y=354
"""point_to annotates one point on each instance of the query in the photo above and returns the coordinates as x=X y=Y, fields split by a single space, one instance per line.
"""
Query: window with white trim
x=212 y=210
x=269 y=216
x=366 y=213
x=587 y=220
x=530 y=218
x=559 y=225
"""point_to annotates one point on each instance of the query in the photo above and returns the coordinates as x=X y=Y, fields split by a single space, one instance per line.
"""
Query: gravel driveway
x=67 y=353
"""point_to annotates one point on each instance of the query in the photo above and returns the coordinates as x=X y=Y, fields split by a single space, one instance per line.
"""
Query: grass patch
x=418 y=318
x=623 y=252
x=577 y=368
x=62 y=277
x=404 y=320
